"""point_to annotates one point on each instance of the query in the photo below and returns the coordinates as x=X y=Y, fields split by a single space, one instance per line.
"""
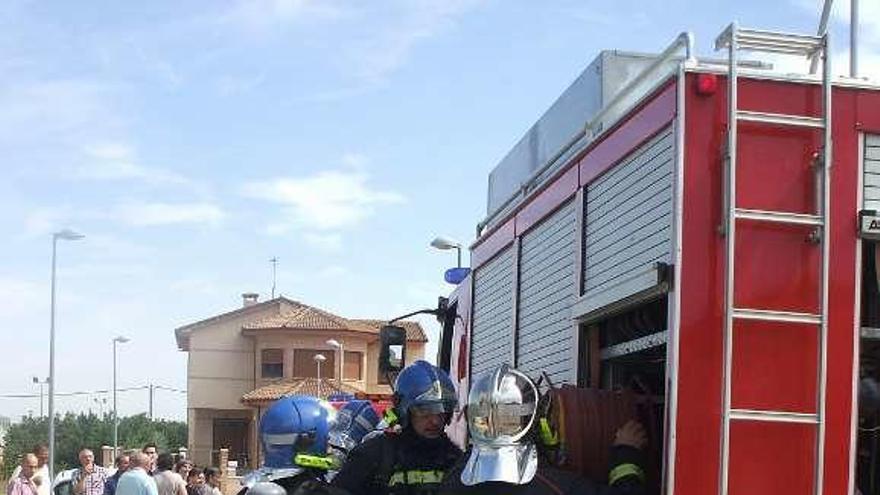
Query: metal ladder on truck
x=735 y=38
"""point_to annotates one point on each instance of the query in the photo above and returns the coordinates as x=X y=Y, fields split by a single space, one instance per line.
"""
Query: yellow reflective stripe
x=624 y=470
x=415 y=478
x=396 y=479
x=548 y=436
x=390 y=417
x=314 y=461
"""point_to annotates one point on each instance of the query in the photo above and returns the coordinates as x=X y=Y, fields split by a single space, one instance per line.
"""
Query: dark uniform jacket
x=397 y=464
x=549 y=481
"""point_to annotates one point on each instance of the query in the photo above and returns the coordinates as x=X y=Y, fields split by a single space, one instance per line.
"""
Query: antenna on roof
x=274 y=262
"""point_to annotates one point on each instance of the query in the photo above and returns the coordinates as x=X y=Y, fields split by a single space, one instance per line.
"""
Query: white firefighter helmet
x=267 y=488
x=501 y=410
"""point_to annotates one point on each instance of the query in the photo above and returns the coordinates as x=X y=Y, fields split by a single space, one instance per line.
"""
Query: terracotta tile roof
x=302 y=386
x=414 y=331
x=296 y=315
x=182 y=333
x=305 y=317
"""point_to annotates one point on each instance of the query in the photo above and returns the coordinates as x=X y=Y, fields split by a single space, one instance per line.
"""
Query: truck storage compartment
x=623 y=375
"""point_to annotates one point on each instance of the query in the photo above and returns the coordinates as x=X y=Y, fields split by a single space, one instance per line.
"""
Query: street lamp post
x=117 y=340
x=446 y=243
x=319 y=358
x=338 y=346
x=41 y=383
x=66 y=235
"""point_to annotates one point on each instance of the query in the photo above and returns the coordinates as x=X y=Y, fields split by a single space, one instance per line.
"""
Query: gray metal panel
x=871 y=181
x=593 y=88
x=628 y=224
x=545 y=339
x=491 y=336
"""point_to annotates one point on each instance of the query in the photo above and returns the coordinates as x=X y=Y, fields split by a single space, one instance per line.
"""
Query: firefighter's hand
x=631 y=434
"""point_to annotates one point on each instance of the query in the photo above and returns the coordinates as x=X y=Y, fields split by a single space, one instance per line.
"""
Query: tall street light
x=64 y=235
x=338 y=346
x=319 y=358
x=445 y=243
x=117 y=340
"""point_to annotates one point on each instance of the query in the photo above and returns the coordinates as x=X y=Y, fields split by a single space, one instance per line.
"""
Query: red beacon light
x=707 y=84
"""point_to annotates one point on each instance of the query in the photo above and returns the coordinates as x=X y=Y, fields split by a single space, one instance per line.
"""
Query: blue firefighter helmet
x=354 y=420
x=294 y=426
x=426 y=387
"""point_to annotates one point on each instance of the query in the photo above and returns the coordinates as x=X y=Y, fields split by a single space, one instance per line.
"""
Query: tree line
x=73 y=432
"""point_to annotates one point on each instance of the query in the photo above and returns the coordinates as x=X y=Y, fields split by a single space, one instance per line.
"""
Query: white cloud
x=333 y=271
x=117 y=161
x=355 y=160
x=111 y=151
x=22 y=297
x=230 y=85
x=112 y=247
x=258 y=17
x=869 y=35
x=324 y=241
x=43 y=221
x=381 y=36
x=329 y=200
x=151 y=214
x=64 y=111
x=196 y=286
x=388 y=48
x=869 y=18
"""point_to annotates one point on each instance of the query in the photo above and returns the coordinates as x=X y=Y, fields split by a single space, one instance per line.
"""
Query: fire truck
x=706 y=229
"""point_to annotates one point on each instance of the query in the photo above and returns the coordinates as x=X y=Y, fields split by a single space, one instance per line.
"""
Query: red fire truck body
x=613 y=265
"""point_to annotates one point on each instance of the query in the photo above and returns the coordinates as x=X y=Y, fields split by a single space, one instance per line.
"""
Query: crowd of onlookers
x=146 y=472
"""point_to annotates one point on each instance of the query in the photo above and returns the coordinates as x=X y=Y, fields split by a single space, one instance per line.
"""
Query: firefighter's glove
x=631 y=434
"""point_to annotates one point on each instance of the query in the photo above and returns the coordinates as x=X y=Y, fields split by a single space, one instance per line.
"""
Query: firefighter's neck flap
x=501 y=411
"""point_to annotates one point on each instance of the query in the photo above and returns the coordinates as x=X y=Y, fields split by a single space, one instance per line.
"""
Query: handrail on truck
x=684 y=39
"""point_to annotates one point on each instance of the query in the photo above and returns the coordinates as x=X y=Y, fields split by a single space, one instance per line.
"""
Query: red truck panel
x=774 y=364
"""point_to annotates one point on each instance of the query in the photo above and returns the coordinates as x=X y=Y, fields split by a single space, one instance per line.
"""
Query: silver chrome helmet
x=267 y=488
x=501 y=410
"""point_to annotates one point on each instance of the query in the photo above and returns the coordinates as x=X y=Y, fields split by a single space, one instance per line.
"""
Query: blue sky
x=193 y=141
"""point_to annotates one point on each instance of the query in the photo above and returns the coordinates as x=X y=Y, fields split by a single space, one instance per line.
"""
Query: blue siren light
x=456 y=275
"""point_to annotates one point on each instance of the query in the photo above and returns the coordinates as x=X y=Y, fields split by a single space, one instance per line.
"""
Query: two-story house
x=240 y=361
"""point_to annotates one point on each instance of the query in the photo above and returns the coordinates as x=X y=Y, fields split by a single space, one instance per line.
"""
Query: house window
x=352 y=365
x=305 y=365
x=272 y=363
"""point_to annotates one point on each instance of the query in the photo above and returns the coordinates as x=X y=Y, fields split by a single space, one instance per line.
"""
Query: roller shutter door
x=628 y=223
x=872 y=173
x=492 y=333
x=545 y=341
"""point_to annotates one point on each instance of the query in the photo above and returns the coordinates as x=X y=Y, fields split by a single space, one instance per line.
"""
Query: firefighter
x=414 y=460
x=293 y=433
x=503 y=457
x=354 y=421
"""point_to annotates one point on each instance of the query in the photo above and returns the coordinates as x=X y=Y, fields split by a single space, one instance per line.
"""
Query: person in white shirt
x=90 y=478
x=212 y=479
x=41 y=475
x=167 y=481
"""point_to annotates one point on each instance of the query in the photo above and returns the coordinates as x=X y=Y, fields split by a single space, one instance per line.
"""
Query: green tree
x=75 y=432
